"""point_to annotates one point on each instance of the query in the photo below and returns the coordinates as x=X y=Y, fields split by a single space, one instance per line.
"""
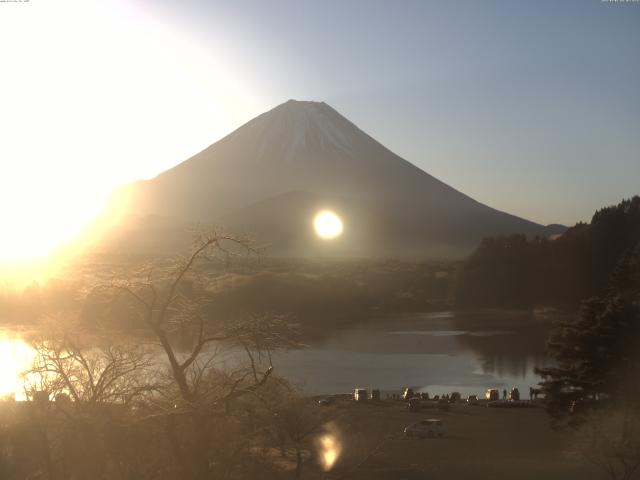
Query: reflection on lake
x=436 y=352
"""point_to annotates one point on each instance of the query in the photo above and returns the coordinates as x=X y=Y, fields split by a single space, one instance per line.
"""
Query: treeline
x=320 y=303
x=520 y=272
x=27 y=305
x=326 y=301
x=319 y=297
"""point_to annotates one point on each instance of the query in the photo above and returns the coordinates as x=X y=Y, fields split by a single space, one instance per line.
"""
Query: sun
x=66 y=143
x=327 y=225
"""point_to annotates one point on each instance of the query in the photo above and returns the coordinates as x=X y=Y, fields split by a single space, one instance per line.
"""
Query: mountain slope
x=302 y=156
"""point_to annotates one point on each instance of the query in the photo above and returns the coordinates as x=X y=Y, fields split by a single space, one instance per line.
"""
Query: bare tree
x=80 y=389
x=125 y=409
x=200 y=392
x=89 y=373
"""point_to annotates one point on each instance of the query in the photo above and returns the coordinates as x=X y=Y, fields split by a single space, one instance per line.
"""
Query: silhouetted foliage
x=195 y=406
x=597 y=353
x=516 y=271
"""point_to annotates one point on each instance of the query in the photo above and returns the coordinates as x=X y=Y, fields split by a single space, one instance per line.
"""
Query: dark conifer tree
x=597 y=353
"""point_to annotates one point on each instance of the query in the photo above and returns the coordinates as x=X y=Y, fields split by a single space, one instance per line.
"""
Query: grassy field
x=479 y=443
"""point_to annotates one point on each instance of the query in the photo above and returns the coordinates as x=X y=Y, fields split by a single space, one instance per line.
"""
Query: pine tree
x=597 y=353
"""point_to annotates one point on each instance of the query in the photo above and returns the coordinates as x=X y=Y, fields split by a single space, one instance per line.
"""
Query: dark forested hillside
x=515 y=271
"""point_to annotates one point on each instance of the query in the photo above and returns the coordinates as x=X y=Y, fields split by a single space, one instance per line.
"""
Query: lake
x=437 y=352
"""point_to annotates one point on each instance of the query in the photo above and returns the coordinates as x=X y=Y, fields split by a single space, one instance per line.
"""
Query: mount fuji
x=272 y=174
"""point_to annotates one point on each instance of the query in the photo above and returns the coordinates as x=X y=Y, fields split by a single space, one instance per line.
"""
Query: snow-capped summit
x=297 y=126
x=269 y=175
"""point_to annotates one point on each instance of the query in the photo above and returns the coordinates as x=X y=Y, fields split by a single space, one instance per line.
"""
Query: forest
x=517 y=271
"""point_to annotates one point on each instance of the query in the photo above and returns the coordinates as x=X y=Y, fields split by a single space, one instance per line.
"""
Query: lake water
x=438 y=352
x=16 y=356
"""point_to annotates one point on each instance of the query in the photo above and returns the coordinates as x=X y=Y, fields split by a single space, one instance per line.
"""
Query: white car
x=426 y=428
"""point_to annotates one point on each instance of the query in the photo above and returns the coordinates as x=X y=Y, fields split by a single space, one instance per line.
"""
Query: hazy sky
x=532 y=108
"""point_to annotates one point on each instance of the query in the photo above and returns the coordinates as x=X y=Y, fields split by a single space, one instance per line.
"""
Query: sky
x=530 y=107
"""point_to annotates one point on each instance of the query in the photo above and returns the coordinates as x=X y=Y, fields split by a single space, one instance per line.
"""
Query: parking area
x=478 y=442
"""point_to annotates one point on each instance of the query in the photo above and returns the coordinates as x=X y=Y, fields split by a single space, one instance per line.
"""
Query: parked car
x=325 y=402
x=492 y=395
x=425 y=429
x=472 y=400
x=360 y=395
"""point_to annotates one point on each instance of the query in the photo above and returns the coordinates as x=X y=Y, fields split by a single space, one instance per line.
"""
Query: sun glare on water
x=327 y=225
x=16 y=356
